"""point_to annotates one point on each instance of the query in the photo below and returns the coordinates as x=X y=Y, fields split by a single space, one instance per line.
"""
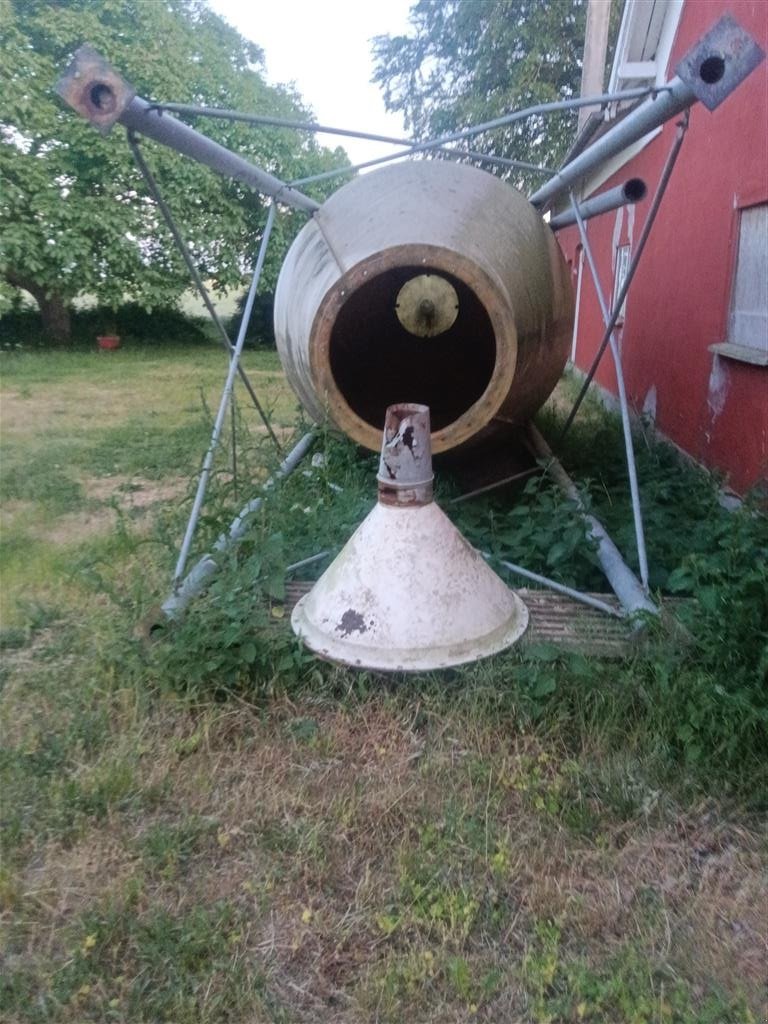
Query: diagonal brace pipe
x=626 y=427
x=623 y=581
x=198 y=282
x=234 y=361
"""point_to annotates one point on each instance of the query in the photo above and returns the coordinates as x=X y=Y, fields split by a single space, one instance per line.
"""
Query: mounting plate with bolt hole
x=94 y=89
x=719 y=62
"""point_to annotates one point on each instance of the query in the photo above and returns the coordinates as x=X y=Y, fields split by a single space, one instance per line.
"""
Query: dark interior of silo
x=376 y=362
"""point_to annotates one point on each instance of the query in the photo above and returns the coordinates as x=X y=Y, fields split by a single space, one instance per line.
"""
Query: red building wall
x=714 y=408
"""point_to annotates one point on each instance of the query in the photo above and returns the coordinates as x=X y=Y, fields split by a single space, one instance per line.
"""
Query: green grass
x=217 y=827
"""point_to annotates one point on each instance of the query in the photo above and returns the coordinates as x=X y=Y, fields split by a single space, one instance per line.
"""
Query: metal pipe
x=100 y=94
x=498 y=122
x=307 y=561
x=171 y=132
x=629 y=450
x=275 y=122
x=633 y=265
x=154 y=191
x=205 y=473
x=632 y=191
x=640 y=122
x=208 y=566
x=495 y=485
x=579 y=278
x=560 y=588
x=323 y=129
x=623 y=581
x=709 y=71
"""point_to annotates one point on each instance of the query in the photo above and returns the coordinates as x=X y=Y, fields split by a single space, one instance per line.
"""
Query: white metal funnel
x=407 y=592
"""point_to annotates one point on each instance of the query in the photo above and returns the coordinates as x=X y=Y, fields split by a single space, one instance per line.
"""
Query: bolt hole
x=102 y=97
x=712 y=70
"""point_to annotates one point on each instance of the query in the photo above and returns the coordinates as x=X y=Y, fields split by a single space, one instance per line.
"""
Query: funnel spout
x=405 y=468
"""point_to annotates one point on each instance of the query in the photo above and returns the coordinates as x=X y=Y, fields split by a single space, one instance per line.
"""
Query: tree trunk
x=56 y=320
x=53 y=307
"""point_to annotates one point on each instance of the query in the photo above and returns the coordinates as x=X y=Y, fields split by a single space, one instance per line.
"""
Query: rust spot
x=351 y=622
x=408 y=496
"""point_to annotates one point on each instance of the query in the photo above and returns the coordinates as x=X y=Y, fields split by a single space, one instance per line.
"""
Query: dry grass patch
x=369 y=866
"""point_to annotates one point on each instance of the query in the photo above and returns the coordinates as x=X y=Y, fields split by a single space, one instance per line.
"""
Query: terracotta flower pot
x=108 y=341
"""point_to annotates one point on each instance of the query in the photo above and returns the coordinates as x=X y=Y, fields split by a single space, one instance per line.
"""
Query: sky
x=324 y=49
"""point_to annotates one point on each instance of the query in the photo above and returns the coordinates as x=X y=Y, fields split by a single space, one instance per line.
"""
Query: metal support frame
x=629 y=450
x=140 y=117
x=640 y=122
x=632 y=191
x=156 y=194
x=208 y=566
x=623 y=581
x=709 y=72
x=96 y=91
x=661 y=188
x=224 y=402
x=221 y=113
x=498 y=122
x=559 y=588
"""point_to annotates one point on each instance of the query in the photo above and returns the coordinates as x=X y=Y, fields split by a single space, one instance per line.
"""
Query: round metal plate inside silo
x=427 y=305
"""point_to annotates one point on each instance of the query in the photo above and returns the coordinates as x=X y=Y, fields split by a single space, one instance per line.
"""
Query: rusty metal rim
x=490 y=293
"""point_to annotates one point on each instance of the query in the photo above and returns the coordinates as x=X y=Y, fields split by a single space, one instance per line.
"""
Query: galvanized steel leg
x=637 y=514
x=224 y=403
x=634 y=262
x=623 y=581
x=559 y=588
x=208 y=566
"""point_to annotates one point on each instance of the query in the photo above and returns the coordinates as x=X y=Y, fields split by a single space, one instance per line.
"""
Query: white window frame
x=646 y=36
x=749 y=291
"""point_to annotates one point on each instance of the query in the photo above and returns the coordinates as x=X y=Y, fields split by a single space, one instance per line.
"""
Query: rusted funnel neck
x=405 y=469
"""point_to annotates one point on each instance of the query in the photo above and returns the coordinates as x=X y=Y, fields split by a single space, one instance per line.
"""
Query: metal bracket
x=94 y=89
x=719 y=62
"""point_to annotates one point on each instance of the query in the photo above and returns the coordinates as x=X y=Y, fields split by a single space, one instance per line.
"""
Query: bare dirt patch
x=134 y=492
x=133 y=495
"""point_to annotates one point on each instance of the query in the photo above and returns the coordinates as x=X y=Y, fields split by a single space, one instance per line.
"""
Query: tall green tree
x=468 y=61
x=74 y=214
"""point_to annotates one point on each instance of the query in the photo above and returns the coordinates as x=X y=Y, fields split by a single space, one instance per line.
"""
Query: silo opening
x=377 y=362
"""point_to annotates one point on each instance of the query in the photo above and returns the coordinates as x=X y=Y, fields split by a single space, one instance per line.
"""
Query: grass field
x=217 y=828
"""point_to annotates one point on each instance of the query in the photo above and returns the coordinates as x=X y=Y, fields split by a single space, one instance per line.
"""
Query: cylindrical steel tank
x=427 y=282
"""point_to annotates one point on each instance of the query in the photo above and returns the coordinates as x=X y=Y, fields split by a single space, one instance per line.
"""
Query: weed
x=151 y=965
x=564 y=987
x=167 y=847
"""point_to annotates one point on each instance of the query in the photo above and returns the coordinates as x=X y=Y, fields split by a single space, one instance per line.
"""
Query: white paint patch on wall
x=717 y=391
x=616 y=242
x=649 y=404
x=631 y=224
